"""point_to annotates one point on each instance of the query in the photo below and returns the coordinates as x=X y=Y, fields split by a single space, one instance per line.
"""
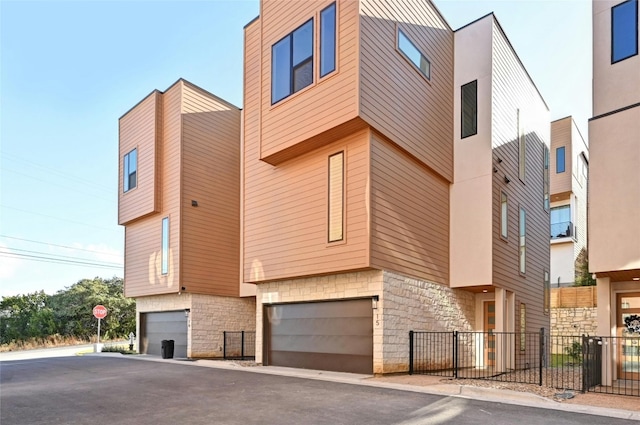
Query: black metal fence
x=239 y=345
x=572 y=362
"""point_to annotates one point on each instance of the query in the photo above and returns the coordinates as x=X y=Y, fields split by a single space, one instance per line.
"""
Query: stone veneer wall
x=574 y=321
x=414 y=304
x=210 y=315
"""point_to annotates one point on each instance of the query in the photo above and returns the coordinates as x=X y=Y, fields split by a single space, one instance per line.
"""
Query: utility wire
x=55 y=255
x=56 y=218
x=57 y=260
x=61 y=246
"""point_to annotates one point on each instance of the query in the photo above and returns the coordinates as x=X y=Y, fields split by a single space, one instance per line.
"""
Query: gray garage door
x=164 y=325
x=333 y=335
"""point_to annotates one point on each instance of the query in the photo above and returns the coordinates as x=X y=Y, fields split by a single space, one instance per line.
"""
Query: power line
x=55 y=255
x=60 y=246
x=56 y=218
x=57 y=260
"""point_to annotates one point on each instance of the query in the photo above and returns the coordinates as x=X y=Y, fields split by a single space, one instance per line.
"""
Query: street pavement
x=147 y=390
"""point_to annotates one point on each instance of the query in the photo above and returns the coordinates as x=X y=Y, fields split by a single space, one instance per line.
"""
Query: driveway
x=106 y=389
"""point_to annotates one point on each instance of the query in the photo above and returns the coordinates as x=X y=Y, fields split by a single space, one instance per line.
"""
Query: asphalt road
x=101 y=389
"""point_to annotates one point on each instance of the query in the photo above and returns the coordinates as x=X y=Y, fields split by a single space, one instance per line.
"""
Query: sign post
x=100 y=312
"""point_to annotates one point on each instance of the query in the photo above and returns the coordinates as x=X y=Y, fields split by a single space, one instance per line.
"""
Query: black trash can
x=167 y=348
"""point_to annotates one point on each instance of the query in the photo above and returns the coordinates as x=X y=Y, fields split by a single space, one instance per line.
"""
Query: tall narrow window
x=328 y=40
x=336 y=197
x=547 y=292
x=470 y=109
x=523 y=327
x=504 y=215
x=522 y=146
x=414 y=55
x=560 y=167
x=545 y=201
x=523 y=244
x=624 y=30
x=165 y=245
x=130 y=170
x=292 y=62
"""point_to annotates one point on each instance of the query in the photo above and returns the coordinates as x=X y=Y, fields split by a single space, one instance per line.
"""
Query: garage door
x=333 y=335
x=164 y=325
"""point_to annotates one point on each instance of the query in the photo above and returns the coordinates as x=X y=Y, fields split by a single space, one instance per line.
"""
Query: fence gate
x=591 y=362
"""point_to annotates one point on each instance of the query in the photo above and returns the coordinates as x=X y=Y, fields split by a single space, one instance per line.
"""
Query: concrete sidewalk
x=435 y=387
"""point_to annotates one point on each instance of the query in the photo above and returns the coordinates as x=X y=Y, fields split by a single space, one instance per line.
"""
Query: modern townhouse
x=179 y=200
x=569 y=168
x=395 y=177
x=614 y=184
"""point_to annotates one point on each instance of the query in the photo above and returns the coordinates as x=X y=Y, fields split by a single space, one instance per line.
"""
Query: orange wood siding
x=560 y=136
x=327 y=103
x=513 y=90
x=210 y=232
x=395 y=98
x=286 y=212
x=409 y=215
x=139 y=129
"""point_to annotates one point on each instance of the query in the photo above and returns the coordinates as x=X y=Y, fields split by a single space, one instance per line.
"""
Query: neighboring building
x=179 y=200
x=393 y=180
x=614 y=180
x=569 y=167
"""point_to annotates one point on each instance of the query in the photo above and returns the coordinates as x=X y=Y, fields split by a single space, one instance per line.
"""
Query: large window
x=523 y=242
x=292 y=62
x=504 y=215
x=561 y=225
x=165 y=245
x=624 y=30
x=545 y=178
x=130 y=170
x=328 y=40
x=522 y=146
x=414 y=55
x=470 y=109
x=560 y=160
x=336 y=197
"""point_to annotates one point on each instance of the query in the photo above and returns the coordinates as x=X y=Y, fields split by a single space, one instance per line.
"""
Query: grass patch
x=122 y=349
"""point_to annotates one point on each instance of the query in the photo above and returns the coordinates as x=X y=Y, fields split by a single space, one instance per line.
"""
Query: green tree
x=26 y=316
x=583 y=277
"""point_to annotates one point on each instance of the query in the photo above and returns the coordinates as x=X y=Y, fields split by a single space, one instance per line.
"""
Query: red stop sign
x=100 y=311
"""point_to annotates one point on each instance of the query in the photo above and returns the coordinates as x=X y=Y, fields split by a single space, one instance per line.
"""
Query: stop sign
x=100 y=311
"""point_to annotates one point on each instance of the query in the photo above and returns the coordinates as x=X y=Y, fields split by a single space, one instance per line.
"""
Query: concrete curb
x=494 y=395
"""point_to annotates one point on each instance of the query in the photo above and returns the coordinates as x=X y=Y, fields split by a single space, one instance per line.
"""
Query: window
x=292 y=62
x=336 y=196
x=470 y=109
x=165 y=245
x=624 y=30
x=546 y=178
x=130 y=168
x=522 y=146
x=547 y=292
x=561 y=222
x=504 y=215
x=414 y=55
x=560 y=160
x=523 y=327
x=328 y=40
x=523 y=244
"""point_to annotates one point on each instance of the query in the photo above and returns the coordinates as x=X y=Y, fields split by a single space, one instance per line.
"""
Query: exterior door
x=628 y=333
x=490 y=338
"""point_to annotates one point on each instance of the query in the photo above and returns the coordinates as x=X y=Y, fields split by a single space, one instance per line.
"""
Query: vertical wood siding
x=210 y=232
x=409 y=215
x=325 y=104
x=560 y=136
x=138 y=129
x=395 y=98
x=513 y=91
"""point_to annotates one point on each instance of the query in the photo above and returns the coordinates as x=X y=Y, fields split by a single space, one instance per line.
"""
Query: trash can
x=167 y=348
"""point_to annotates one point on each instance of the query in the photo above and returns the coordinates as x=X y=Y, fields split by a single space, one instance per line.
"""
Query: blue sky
x=69 y=70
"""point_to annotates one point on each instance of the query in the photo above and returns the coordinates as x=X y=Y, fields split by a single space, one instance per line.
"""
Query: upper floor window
x=522 y=146
x=504 y=215
x=561 y=225
x=292 y=62
x=624 y=30
x=545 y=178
x=470 y=109
x=328 y=40
x=130 y=170
x=336 y=197
x=560 y=160
x=414 y=55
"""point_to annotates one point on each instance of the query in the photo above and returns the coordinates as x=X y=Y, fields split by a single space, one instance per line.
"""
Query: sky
x=69 y=70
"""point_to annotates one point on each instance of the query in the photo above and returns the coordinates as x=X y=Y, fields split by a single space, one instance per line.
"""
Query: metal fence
x=239 y=345
x=571 y=362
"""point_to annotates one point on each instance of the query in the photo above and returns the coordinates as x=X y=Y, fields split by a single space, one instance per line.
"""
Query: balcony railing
x=564 y=229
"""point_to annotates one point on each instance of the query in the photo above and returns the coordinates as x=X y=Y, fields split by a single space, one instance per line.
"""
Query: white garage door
x=164 y=325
